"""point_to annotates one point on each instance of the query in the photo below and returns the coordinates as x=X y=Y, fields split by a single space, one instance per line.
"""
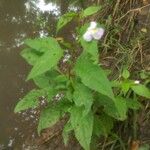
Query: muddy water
x=19 y=19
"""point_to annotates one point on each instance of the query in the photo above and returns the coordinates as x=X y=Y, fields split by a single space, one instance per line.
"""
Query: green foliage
x=102 y=125
x=144 y=147
x=29 y=101
x=133 y=104
x=122 y=108
x=141 y=90
x=49 y=116
x=42 y=81
x=46 y=80
x=126 y=85
x=107 y=104
x=42 y=44
x=67 y=129
x=91 y=48
x=125 y=74
x=64 y=19
x=83 y=93
x=90 y=11
x=30 y=55
x=82 y=125
x=83 y=97
x=48 y=60
x=93 y=76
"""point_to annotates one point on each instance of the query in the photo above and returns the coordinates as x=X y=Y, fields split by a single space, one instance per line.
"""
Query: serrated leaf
x=29 y=101
x=49 y=116
x=48 y=60
x=64 y=19
x=76 y=116
x=102 y=125
x=30 y=56
x=141 y=90
x=91 y=10
x=91 y=48
x=93 y=76
x=83 y=126
x=83 y=97
x=42 y=44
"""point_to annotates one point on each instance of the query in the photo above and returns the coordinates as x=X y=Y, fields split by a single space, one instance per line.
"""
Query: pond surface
x=21 y=19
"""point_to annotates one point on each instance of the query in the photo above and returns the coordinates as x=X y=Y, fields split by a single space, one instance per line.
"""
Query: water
x=20 y=19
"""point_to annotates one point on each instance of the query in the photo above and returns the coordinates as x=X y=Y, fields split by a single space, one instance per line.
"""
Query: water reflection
x=42 y=6
x=18 y=21
x=21 y=19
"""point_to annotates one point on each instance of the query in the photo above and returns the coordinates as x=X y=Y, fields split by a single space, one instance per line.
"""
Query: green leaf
x=49 y=93
x=141 y=90
x=93 y=76
x=90 y=11
x=83 y=126
x=48 y=60
x=91 y=48
x=125 y=85
x=133 y=104
x=61 y=78
x=102 y=125
x=30 y=56
x=116 y=108
x=42 y=81
x=69 y=94
x=42 y=44
x=83 y=96
x=125 y=74
x=83 y=29
x=67 y=129
x=76 y=114
x=122 y=108
x=49 y=116
x=47 y=79
x=108 y=104
x=64 y=19
x=29 y=101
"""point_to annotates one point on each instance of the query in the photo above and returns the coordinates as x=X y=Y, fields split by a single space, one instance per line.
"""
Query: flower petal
x=87 y=36
x=97 y=35
x=93 y=25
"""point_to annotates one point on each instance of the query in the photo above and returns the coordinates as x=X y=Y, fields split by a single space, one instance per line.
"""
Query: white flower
x=136 y=82
x=93 y=25
x=93 y=32
x=87 y=36
x=98 y=33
